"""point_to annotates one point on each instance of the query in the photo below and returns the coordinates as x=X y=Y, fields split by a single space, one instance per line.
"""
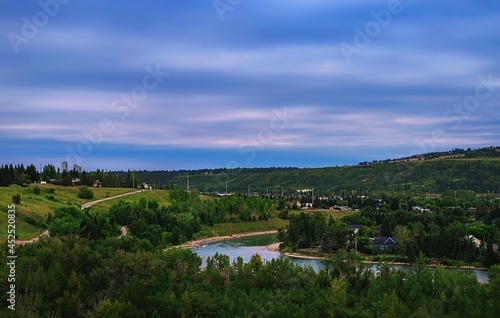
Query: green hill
x=31 y=214
x=477 y=170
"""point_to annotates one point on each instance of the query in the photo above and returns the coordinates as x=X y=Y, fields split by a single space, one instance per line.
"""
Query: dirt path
x=33 y=240
x=91 y=203
x=123 y=229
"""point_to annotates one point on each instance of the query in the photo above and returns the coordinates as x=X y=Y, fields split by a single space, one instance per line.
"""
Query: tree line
x=121 y=277
x=448 y=237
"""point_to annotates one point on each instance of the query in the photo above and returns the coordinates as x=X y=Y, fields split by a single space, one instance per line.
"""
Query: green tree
x=16 y=198
x=85 y=193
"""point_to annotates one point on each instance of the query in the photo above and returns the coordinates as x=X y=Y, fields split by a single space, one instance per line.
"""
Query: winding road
x=123 y=229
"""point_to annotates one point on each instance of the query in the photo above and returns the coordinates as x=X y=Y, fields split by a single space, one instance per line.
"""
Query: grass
x=161 y=196
x=32 y=213
x=34 y=208
x=335 y=214
x=258 y=226
x=222 y=229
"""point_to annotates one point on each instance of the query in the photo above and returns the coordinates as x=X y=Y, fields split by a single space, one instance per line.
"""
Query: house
x=471 y=210
x=305 y=205
x=341 y=208
x=420 y=210
x=384 y=243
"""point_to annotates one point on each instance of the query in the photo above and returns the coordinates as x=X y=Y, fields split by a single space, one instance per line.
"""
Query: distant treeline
x=434 y=176
x=475 y=170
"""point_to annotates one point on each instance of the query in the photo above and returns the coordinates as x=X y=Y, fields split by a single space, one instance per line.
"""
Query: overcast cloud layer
x=203 y=83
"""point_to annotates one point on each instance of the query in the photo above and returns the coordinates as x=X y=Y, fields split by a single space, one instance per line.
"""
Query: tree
x=85 y=193
x=49 y=172
x=16 y=198
x=32 y=173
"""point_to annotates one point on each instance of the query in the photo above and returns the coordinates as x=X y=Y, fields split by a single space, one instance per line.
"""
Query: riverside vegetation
x=85 y=269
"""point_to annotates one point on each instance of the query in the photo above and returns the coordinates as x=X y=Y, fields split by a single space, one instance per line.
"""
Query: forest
x=477 y=171
x=161 y=226
x=72 y=276
x=441 y=237
x=436 y=209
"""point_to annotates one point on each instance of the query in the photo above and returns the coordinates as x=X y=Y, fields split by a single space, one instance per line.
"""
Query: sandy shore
x=199 y=243
x=275 y=247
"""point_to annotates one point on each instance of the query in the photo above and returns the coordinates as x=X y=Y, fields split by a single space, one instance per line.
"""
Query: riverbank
x=275 y=248
x=215 y=239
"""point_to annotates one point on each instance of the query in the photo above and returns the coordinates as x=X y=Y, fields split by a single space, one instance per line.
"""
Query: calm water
x=248 y=246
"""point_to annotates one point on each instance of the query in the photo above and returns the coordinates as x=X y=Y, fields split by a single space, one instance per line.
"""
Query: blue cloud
x=227 y=78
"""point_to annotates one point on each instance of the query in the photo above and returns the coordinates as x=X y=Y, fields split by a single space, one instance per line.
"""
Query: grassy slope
x=260 y=226
x=39 y=206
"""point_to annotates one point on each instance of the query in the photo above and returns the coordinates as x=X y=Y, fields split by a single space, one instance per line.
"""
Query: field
x=32 y=213
x=34 y=208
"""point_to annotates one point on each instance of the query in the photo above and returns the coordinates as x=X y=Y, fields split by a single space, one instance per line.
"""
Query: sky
x=192 y=84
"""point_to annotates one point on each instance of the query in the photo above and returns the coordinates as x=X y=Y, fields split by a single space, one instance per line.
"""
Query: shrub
x=36 y=190
x=85 y=193
x=16 y=198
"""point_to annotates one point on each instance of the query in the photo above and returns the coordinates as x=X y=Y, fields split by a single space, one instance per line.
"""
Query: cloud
x=227 y=78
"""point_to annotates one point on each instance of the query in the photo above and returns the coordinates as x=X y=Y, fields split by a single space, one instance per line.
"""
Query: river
x=250 y=245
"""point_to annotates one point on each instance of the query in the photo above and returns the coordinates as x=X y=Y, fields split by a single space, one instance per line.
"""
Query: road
x=89 y=204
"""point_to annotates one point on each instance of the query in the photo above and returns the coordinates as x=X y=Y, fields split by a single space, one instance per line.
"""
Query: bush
x=85 y=193
x=16 y=198
x=36 y=190
x=283 y=214
x=51 y=190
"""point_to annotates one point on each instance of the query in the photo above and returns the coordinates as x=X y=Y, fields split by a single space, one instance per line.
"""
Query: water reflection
x=248 y=246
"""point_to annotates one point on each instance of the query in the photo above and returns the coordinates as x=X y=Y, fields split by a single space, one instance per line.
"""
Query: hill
x=32 y=212
x=474 y=170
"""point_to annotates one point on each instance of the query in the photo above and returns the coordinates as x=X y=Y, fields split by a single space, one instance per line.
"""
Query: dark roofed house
x=384 y=243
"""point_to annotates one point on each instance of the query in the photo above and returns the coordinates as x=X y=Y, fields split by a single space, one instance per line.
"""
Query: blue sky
x=205 y=84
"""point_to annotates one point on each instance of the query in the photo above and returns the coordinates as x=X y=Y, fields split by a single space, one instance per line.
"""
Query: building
x=64 y=166
x=77 y=168
x=384 y=243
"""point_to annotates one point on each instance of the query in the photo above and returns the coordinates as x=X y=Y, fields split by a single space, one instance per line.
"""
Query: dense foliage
x=85 y=193
x=478 y=171
x=183 y=219
x=75 y=277
x=312 y=230
x=445 y=236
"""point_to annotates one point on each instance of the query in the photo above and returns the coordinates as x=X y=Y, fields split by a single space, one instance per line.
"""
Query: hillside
x=32 y=213
x=475 y=170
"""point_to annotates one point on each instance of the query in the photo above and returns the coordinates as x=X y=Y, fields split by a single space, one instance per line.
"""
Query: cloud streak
x=226 y=78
